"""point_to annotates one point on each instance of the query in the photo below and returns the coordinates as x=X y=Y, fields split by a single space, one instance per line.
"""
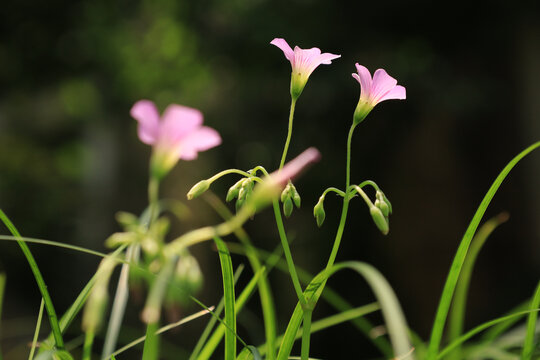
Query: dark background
x=70 y=158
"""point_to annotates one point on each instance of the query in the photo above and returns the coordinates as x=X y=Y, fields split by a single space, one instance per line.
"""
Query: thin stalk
x=339 y=235
x=289 y=133
x=87 y=347
x=287 y=252
x=153 y=198
x=36 y=332
x=306 y=332
x=53 y=319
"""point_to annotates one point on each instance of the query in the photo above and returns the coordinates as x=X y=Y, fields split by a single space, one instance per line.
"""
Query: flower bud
x=296 y=198
x=383 y=207
x=233 y=190
x=287 y=206
x=383 y=199
x=318 y=211
x=198 y=189
x=379 y=219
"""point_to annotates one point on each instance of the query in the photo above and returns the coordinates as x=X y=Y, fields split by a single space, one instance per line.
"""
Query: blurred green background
x=70 y=158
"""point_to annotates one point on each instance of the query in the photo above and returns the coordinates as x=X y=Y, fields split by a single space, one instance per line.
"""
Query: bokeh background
x=70 y=158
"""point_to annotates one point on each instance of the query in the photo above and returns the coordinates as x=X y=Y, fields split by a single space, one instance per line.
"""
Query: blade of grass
x=229 y=298
x=497 y=330
x=528 y=345
x=53 y=320
x=331 y=297
x=455 y=269
x=213 y=320
x=160 y=331
x=478 y=329
x=36 y=332
x=391 y=310
x=265 y=292
x=457 y=314
x=216 y=337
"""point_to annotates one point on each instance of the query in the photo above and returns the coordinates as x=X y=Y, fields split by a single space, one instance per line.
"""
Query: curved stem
x=289 y=133
x=287 y=252
x=306 y=332
x=337 y=191
x=346 y=200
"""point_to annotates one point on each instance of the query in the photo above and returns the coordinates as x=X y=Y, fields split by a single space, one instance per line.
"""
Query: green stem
x=87 y=347
x=289 y=133
x=36 y=332
x=306 y=333
x=345 y=208
x=53 y=319
x=153 y=199
x=287 y=252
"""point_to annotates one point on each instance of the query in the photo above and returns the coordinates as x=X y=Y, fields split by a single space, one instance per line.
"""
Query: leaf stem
x=289 y=133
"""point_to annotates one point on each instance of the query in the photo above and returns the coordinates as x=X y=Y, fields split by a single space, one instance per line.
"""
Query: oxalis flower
x=179 y=134
x=303 y=62
x=373 y=91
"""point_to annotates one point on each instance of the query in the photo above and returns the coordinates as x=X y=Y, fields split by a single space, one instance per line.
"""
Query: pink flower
x=179 y=134
x=303 y=62
x=373 y=91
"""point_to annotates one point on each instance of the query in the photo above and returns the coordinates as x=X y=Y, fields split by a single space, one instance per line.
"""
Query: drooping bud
x=379 y=219
x=288 y=206
x=233 y=190
x=296 y=197
x=198 y=189
x=383 y=203
x=318 y=211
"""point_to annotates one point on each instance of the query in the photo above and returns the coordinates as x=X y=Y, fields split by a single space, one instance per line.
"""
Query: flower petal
x=398 y=93
x=382 y=84
x=282 y=44
x=364 y=78
x=147 y=115
x=326 y=58
x=201 y=139
x=179 y=121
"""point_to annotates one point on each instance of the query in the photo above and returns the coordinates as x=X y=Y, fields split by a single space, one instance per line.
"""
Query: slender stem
x=287 y=252
x=345 y=208
x=306 y=334
x=337 y=191
x=87 y=347
x=153 y=199
x=36 y=332
x=289 y=133
x=53 y=319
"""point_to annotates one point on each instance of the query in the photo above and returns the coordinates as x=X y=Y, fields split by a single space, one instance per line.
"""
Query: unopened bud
x=379 y=219
x=233 y=190
x=383 y=206
x=318 y=211
x=198 y=189
x=296 y=198
x=382 y=197
x=287 y=207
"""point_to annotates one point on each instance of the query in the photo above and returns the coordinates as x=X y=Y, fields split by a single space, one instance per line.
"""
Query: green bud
x=198 y=189
x=233 y=190
x=287 y=207
x=318 y=211
x=382 y=197
x=284 y=194
x=379 y=219
x=296 y=198
x=121 y=238
x=383 y=206
x=126 y=219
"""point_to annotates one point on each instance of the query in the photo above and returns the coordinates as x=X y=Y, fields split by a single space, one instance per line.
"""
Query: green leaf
x=457 y=264
x=229 y=298
x=528 y=346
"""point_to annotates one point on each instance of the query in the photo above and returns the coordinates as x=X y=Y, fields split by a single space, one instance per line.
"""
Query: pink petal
x=147 y=115
x=326 y=58
x=382 y=84
x=364 y=78
x=398 y=93
x=282 y=44
x=294 y=167
x=178 y=122
x=201 y=139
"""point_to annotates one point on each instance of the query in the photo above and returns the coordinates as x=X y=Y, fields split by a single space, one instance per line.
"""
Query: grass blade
x=478 y=329
x=528 y=345
x=392 y=313
x=36 y=332
x=53 y=320
x=229 y=298
x=457 y=314
x=455 y=269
